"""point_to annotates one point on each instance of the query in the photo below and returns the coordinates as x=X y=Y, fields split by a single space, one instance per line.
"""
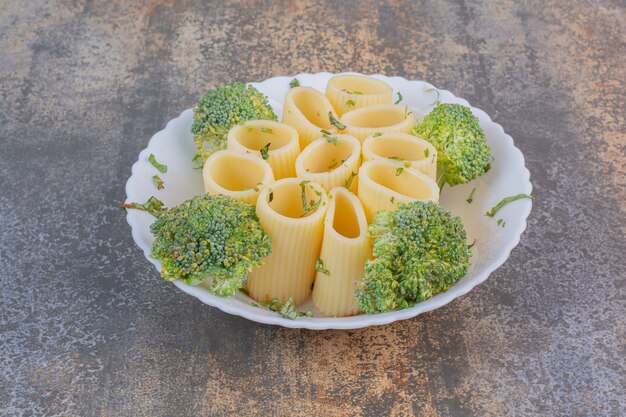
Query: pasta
x=296 y=233
x=236 y=174
x=332 y=162
x=417 y=152
x=345 y=248
x=384 y=183
x=283 y=148
x=383 y=118
x=350 y=92
x=306 y=109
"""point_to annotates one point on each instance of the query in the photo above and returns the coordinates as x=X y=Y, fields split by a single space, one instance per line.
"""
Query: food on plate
x=414 y=152
x=210 y=236
x=236 y=174
x=420 y=250
x=291 y=211
x=383 y=118
x=222 y=108
x=337 y=203
x=505 y=201
x=463 y=153
x=330 y=161
x=307 y=109
x=345 y=248
x=275 y=142
x=351 y=92
x=385 y=183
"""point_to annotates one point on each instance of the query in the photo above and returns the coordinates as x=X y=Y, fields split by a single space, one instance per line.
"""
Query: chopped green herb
x=471 y=196
x=319 y=267
x=377 y=134
x=162 y=168
x=153 y=206
x=470 y=246
x=294 y=83
x=501 y=222
x=392 y=199
x=313 y=205
x=326 y=132
x=256 y=187
x=265 y=154
x=249 y=129
x=255 y=305
x=198 y=163
x=426 y=152
x=335 y=122
x=358 y=93
x=399 y=98
x=287 y=309
x=407 y=164
x=396 y=158
x=350 y=103
x=266 y=130
x=158 y=182
x=331 y=139
x=506 y=201
x=399 y=171
x=350 y=179
x=406 y=111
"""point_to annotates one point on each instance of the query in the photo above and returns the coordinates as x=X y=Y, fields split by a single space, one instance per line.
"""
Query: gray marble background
x=87 y=327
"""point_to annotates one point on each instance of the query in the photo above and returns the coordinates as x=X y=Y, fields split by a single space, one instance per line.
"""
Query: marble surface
x=87 y=327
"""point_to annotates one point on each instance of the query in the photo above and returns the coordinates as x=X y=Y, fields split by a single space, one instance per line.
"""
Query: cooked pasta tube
x=383 y=118
x=279 y=140
x=345 y=248
x=350 y=92
x=306 y=109
x=415 y=152
x=384 y=183
x=331 y=161
x=236 y=174
x=292 y=212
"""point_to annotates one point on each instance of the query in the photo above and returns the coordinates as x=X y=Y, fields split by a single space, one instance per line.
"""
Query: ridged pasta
x=383 y=118
x=236 y=174
x=384 y=183
x=416 y=152
x=284 y=146
x=306 y=109
x=331 y=164
x=345 y=248
x=350 y=92
x=289 y=270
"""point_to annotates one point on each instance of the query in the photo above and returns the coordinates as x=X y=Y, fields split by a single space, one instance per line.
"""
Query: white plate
x=174 y=147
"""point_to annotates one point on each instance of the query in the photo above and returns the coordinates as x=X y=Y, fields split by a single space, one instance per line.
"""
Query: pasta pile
x=317 y=179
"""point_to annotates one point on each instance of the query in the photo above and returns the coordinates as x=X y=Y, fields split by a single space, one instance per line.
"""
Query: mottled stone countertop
x=87 y=327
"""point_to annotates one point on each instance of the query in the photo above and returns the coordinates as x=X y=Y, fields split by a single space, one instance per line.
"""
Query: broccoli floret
x=210 y=236
x=222 y=108
x=420 y=250
x=463 y=153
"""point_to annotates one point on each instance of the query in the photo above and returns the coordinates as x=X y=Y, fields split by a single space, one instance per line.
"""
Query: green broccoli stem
x=506 y=201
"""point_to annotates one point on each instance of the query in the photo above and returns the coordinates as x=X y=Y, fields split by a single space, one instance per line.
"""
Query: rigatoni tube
x=350 y=92
x=236 y=174
x=345 y=248
x=332 y=161
x=415 y=152
x=384 y=183
x=292 y=212
x=306 y=109
x=274 y=141
x=383 y=118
